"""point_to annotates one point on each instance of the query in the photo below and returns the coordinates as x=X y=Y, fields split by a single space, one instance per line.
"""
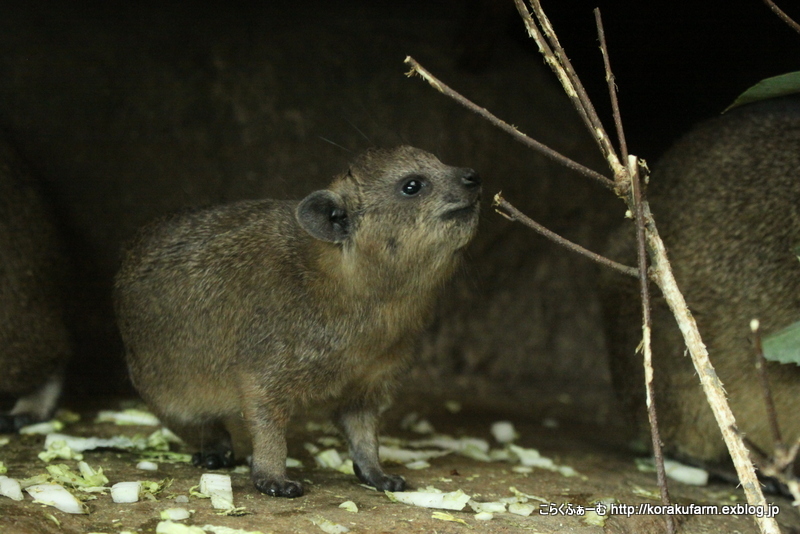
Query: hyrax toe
x=212 y=460
x=380 y=480
x=10 y=424
x=279 y=488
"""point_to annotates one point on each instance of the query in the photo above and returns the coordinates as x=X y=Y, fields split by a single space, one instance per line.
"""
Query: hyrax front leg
x=216 y=449
x=358 y=420
x=267 y=421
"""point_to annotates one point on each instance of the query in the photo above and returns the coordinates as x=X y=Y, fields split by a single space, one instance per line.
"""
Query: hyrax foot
x=213 y=460
x=10 y=424
x=380 y=480
x=279 y=488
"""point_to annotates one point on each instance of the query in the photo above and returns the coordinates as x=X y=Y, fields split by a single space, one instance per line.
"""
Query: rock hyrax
x=239 y=312
x=726 y=199
x=34 y=342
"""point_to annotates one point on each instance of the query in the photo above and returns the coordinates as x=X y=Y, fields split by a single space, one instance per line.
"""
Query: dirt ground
x=605 y=471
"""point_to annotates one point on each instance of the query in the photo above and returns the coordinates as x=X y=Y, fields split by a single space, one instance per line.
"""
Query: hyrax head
x=396 y=205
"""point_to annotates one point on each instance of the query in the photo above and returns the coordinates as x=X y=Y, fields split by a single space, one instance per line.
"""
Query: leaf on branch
x=777 y=86
x=784 y=345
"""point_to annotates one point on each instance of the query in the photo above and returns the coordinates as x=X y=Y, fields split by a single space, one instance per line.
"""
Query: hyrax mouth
x=465 y=212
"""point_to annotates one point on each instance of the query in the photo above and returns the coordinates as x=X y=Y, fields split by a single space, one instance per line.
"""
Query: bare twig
x=437 y=84
x=556 y=58
x=781 y=464
x=644 y=283
x=761 y=368
x=514 y=214
x=783 y=16
x=612 y=86
x=712 y=386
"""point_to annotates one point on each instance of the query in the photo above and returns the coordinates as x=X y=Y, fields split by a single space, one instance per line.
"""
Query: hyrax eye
x=412 y=185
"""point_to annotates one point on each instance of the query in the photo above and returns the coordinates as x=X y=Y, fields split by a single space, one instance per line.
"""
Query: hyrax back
x=726 y=199
x=34 y=343
x=244 y=310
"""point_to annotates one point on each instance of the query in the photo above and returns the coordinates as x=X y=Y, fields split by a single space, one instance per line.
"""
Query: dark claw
x=10 y=424
x=212 y=460
x=380 y=480
x=276 y=488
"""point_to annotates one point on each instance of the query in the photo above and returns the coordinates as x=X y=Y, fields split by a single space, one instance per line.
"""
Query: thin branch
x=612 y=86
x=712 y=386
x=783 y=16
x=644 y=286
x=552 y=60
x=515 y=215
x=761 y=368
x=437 y=84
x=575 y=90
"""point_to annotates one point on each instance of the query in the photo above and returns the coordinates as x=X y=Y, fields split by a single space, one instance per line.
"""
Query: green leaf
x=782 y=85
x=784 y=345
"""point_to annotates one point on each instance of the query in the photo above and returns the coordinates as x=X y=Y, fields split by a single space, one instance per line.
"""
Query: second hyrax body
x=237 y=313
x=726 y=199
x=34 y=341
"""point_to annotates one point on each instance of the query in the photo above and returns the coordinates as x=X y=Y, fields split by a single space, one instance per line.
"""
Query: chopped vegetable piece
x=520 y=508
x=402 y=456
x=329 y=527
x=484 y=516
x=175 y=514
x=218 y=487
x=504 y=432
x=57 y=496
x=42 y=428
x=693 y=476
x=350 y=506
x=329 y=458
x=227 y=530
x=168 y=527
x=126 y=492
x=444 y=516
x=147 y=466
x=454 y=500
x=128 y=417
x=10 y=488
x=491 y=507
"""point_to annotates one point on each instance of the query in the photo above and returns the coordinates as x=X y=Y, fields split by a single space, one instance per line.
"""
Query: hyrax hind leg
x=357 y=417
x=214 y=441
x=34 y=407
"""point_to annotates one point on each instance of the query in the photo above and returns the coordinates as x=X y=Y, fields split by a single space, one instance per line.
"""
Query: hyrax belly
x=239 y=312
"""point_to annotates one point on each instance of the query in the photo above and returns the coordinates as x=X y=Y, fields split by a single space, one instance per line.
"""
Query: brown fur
x=244 y=310
x=726 y=199
x=34 y=343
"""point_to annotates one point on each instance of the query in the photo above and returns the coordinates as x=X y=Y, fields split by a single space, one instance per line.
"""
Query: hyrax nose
x=470 y=179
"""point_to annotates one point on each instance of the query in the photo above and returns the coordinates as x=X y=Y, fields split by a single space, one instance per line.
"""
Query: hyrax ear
x=323 y=215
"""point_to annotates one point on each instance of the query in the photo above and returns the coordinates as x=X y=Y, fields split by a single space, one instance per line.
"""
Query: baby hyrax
x=234 y=314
